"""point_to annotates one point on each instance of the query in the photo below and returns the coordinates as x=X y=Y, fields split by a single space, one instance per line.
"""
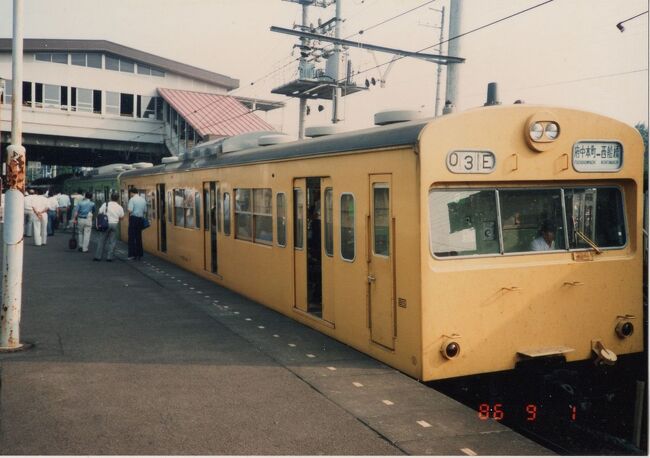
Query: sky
x=566 y=52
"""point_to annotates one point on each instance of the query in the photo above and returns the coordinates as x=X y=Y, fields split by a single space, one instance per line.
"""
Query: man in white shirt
x=137 y=211
x=62 y=210
x=115 y=213
x=40 y=205
x=546 y=239
x=29 y=197
x=53 y=204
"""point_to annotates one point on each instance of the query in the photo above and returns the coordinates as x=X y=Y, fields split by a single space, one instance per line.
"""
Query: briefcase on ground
x=72 y=243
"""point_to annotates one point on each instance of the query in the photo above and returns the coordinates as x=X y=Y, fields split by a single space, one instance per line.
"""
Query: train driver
x=546 y=239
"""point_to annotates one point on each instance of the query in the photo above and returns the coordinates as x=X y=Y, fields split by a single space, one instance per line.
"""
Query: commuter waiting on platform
x=137 y=210
x=29 y=197
x=52 y=205
x=62 y=210
x=115 y=213
x=83 y=216
x=40 y=207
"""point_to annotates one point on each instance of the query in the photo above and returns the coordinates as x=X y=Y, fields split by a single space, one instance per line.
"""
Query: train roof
x=399 y=134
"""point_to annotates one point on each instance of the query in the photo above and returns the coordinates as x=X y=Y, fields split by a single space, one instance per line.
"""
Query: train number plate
x=465 y=161
x=597 y=156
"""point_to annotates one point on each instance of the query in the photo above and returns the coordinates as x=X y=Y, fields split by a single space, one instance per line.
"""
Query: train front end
x=532 y=243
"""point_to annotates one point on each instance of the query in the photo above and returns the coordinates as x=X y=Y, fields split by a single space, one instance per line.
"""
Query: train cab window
x=281 y=218
x=226 y=213
x=347 y=227
x=463 y=223
x=595 y=215
x=531 y=220
x=329 y=217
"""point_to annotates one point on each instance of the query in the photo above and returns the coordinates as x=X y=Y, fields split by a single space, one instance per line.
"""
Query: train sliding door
x=210 y=225
x=381 y=275
x=162 y=218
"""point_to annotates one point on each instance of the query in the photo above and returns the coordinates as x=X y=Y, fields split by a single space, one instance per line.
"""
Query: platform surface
x=142 y=357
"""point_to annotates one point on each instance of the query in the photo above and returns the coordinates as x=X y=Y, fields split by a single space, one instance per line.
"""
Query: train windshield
x=505 y=221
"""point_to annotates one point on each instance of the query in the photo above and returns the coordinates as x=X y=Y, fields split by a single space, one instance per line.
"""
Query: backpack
x=102 y=220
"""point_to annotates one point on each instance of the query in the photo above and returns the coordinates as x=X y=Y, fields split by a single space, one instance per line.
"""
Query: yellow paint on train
x=425 y=258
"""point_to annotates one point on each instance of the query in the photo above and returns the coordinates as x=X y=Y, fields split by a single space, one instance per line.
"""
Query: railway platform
x=142 y=357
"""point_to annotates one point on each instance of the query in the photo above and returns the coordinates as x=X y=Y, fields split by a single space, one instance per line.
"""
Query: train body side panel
x=266 y=273
x=499 y=306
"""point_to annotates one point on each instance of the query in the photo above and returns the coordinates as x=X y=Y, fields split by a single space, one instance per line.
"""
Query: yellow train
x=443 y=247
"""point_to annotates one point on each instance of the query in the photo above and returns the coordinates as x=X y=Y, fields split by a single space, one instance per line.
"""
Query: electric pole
x=453 y=49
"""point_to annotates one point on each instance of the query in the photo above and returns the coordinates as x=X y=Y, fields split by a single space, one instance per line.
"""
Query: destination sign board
x=597 y=156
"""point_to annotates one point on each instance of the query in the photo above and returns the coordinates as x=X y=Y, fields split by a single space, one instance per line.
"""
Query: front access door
x=162 y=219
x=210 y=225
x=381 y=267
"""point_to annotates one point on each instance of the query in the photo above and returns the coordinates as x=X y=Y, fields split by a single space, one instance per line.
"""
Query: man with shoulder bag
x=108 y=218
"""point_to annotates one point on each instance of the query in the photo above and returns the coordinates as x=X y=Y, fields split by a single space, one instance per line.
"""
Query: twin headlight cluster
x=544 y=131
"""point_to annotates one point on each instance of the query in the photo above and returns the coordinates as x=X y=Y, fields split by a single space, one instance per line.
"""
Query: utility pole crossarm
x=436 y=58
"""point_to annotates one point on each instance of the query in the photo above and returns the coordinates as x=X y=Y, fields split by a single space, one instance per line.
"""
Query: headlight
x=536 y=131
x=624 y=329
x=552 y=131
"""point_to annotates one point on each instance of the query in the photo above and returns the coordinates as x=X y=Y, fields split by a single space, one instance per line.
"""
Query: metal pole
x=337 y=99
x=12 y=265
x=453 y=49
x=439 y=50
x=301 y=69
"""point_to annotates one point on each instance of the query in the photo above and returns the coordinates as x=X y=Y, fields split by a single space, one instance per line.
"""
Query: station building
x=95 y=102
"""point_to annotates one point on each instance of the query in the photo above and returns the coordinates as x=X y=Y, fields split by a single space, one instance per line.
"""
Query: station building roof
x=104 y=46
x=213 y=114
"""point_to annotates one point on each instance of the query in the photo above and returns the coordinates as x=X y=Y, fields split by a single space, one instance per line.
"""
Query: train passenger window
x=197 y=210
x=329 y=218
x=463 y=223
x=263 y=216
x=298 y=218
x=281 y=218
x=226 y=213
x=347 y=227
x=179 y=209
x=188 y=203
x=531 y=220
x=596 y=215
x=243 y=220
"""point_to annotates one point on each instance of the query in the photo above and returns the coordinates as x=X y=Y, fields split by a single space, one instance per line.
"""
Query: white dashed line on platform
x=357 y=384
x=387 y=402
x=332 y=368
x=424 y=424
x=309 y=355
x=292 y=345
x=468 y=451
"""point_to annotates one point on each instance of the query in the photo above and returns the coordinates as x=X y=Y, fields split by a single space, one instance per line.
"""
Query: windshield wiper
x=588 y=241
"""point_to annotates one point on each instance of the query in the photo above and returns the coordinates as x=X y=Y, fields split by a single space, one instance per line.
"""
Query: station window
x=56 y=57
x=27 y=93
x=7 y=93
x=51 y=95
x=112 y=63
x=112 y=103
x=281 y=218
x=226 y=213
x=347 y=227
x=329 y=227
x=127 y=105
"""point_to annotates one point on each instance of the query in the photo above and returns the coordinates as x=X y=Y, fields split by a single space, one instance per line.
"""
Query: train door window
x=347 y=227
x=243 y=217
x=206 y=206
x=597 y=215
x=281 y=218
x=381 y=208
x=262 y=216
x=170 y=206
x=226 y=213
x=298 y=222
x=179 y=208
x=463 y=223
x=329 y=228
x=531 y=220
x=197 y=210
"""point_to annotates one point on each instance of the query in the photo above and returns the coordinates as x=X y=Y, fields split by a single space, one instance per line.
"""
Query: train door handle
x=371 y=278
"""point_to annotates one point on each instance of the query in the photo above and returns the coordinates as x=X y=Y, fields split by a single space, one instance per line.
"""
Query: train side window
x=281 y=218
x=188 y=203
x=243 y=216
x=179 y=209
x=463 y=223
x=531 y=220
x=348 y=241
x=263 y=216
x=329 y=218
x=298 y=221
x=226 y=213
